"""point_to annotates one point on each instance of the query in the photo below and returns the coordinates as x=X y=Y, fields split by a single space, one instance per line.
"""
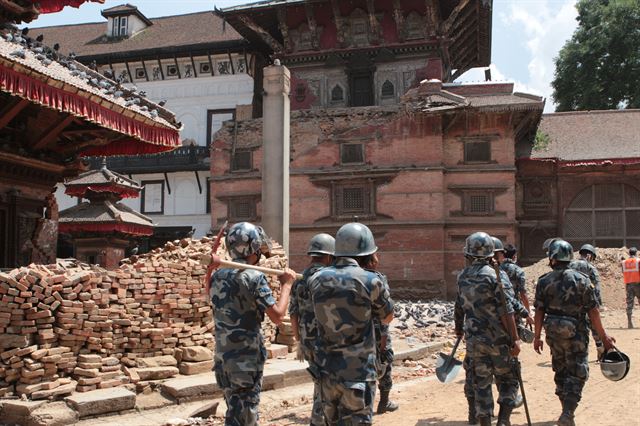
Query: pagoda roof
x=40 y=75
x=102 y=180
x=104 y=217
x=464 y=26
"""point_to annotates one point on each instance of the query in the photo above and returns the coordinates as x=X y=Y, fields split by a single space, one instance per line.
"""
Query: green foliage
x=542 y=141
x=599 y=68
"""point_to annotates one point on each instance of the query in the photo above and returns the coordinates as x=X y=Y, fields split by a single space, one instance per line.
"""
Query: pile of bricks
x=73 y=326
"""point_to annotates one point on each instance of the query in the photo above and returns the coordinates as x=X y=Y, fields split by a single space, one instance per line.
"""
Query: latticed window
x=352 y=153
x=477 y=203
x=605 y=215
x=241 y=209
x=477 y=152
x=353 y=200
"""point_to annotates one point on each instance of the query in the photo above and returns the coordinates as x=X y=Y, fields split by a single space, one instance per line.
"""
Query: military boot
x=568 y=409
x=472 y=411
x=385 y=403
x=629 y=321
x=484 y=420
x=504 y=415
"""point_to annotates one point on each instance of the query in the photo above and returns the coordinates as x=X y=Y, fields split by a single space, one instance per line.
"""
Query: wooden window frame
x=232 y=210
x=234 y=166
x=143 y=209
x=465 y=152
x=368 y=189
x=467 y=203
x=342 y=154
x=210 y=114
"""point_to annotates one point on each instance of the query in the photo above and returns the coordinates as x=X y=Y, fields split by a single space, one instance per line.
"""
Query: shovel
x=447 y=366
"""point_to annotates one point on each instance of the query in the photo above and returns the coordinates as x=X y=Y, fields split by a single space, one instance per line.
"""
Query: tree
x=599 y=67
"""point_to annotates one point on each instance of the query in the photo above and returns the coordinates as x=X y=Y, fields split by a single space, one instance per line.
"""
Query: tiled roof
x=591 y=135
x=72 y=73
x=104 y=212
x=103 y=176
x=166 y=32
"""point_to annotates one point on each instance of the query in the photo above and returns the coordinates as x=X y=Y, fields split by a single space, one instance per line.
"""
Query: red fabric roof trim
x=80 y=191
x=52 y=6
x=145 y=139
x=104 y=228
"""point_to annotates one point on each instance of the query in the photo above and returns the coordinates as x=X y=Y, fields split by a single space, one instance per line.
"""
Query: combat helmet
x=497 y=244
x=588 y=248
x=479 y=244
x=243 y=240
x=322 y=244
x=354 y=239
x=615 y=365
x=547 y=243
x=561 y=251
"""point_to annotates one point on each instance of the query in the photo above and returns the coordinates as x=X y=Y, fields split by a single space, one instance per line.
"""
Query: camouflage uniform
x=566 y=296
x=240 y=299
x=584 y=266
x=300 y=305
x=478 y=309
x=385 y=355
x=345 y=300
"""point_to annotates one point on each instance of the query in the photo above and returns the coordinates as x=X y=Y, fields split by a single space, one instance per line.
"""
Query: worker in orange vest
x=631 y=274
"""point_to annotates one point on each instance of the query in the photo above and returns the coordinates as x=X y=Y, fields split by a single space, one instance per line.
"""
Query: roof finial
x=104 y=163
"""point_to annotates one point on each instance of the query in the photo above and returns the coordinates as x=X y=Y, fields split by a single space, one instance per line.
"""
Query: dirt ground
x=425 y=401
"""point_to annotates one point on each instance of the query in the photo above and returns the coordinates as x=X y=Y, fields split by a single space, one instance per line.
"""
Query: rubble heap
x=609 y=267
x=424 y=321
x=77 y=327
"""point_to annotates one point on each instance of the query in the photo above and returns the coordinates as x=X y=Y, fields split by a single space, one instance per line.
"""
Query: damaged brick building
x=379 y=132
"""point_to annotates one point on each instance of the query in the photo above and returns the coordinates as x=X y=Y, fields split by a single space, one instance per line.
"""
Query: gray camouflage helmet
x=243 y=240
x=615 y=365
x=479 y=244
x=354 y=239
x=588 y=248
x=547 y=243
x=497 y=244
x=322 y=244
x=561 y=251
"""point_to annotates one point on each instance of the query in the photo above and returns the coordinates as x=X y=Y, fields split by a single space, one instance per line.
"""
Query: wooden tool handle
x=269 y=271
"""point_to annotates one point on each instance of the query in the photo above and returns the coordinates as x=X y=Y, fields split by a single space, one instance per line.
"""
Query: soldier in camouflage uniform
x=564 y=299
x=384 y=350
x=303 y=320
x=587 y=255
x=346 y=298
x=484 y=314
x=240 y=299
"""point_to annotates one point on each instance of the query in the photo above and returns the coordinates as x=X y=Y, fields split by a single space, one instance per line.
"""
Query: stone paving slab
x=191 y=386
x=102 y=401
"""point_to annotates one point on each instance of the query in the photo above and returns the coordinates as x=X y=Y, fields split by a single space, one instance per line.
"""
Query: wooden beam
x=337 y=17
x=233 y=68
x=210 y=63
x=431 y=16
x=459 y=26
x=160 y=66
x=284 y=28
x=262 y=33
x=10 y=111
x=398 y=17
x=144 y=67
x=75 y=147
x=126 y=64
x=313 y=25
x=52 y=133
x=175 y=61
x=525 y=121
x=193 y=64
x=446 y=25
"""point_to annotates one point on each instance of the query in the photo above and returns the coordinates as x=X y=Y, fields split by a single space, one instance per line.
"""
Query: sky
x=527 y=35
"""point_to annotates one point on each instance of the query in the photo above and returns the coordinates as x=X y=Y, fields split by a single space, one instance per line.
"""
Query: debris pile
x=424 y=321
x=73 y=326
x=609 y=265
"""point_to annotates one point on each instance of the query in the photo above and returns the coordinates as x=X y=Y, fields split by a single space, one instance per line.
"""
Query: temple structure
x=53 y=111
x=102 y=229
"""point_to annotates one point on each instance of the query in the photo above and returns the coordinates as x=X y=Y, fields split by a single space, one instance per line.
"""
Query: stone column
x=275 y=151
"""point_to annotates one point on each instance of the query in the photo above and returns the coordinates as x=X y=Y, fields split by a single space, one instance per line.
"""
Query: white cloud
x=541 y=27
